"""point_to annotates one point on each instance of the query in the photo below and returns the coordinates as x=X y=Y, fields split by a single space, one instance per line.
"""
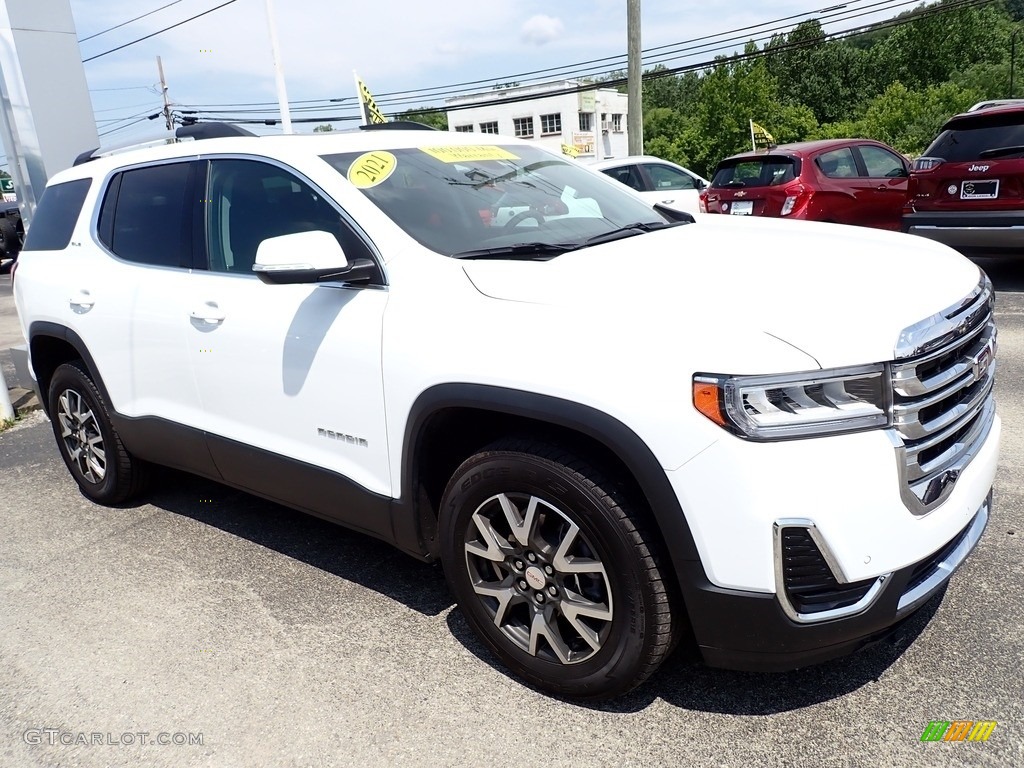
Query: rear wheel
x=88 y=442
x=554 y=570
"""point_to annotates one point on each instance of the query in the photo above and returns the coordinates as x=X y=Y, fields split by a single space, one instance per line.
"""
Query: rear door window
x=147 y=215
x=628 y=175
x=768 y=171
x=838 y=163
x=56 y=216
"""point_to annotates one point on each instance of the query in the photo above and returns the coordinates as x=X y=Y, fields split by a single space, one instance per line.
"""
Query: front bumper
x=749 y=631
x=975 y=233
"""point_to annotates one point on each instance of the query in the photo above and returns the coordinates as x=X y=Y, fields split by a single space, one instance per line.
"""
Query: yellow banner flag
x=371 y=113
x=759 y=137
x=571 y=151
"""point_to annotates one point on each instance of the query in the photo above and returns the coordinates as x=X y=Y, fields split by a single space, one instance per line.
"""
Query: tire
x=88 y=442
x=594 y=618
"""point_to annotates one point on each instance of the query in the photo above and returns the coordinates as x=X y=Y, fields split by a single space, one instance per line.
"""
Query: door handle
x=208 y=312
x=81 y=300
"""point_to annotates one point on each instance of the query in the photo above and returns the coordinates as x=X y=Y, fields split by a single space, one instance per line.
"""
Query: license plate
x=742 y=208
x=981 y=189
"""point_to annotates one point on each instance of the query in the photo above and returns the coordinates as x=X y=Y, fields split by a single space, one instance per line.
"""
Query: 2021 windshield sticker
x=371 y=168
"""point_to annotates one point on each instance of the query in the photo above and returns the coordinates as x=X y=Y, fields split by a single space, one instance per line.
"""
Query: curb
x=24 y=400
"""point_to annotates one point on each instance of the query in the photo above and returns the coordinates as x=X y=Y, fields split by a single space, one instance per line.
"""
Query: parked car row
x=966 y=191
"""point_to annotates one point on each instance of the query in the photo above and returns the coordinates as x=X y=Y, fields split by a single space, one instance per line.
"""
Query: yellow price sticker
x=469 y=153
x=372 y=168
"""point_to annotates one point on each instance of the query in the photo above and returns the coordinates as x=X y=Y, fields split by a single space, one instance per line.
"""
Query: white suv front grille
x=943 y=402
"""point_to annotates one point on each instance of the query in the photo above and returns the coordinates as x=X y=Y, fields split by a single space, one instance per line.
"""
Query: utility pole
x=163 y=90
x=282 y=93
x=635 y=117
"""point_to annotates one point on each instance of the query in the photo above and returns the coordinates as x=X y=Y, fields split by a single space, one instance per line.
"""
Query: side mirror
x=308 y=257
x=674 y=215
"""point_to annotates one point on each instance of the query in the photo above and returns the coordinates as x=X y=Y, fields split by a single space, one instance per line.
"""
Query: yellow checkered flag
x=371 y=113
x=759 y=137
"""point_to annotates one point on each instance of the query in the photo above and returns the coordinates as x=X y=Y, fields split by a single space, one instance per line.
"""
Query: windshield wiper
x=1000 y=152
x=519 y=251
x=632 y=230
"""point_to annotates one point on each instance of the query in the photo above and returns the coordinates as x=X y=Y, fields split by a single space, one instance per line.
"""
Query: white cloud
x=541 y=29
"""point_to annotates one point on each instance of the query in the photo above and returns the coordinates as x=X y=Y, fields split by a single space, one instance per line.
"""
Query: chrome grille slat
x=908 y=384
x=940 y=361
x=909 y=424
x=921 y=472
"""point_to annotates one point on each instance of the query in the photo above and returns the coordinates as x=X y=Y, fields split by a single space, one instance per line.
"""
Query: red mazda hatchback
x=845 y=181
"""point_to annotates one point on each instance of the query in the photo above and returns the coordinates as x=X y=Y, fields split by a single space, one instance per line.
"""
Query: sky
x=225 y=57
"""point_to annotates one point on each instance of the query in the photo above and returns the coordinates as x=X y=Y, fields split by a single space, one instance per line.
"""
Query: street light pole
x=635 y=116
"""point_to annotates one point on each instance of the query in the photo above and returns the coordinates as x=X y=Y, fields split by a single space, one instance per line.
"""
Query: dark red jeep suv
x=845 y=181
x=967 y=189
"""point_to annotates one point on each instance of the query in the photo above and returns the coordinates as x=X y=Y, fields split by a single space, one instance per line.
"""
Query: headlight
x=798 y=404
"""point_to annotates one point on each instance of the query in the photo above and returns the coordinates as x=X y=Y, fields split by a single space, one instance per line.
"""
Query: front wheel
x=554 y=571
x=90 y=446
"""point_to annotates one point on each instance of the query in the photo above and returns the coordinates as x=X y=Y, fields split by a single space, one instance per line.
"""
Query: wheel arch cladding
x=50 y=346
x=449 y=422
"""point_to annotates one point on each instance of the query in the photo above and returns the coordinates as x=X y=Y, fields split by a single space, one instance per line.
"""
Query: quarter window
x=56 y=216
x=523 y=126
x=249 y=202
x=550 y=124
x=147 y=215
x=491 y=127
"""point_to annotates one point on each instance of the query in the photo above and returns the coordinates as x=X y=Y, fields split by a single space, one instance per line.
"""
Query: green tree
x=323 y=128
x=433 y=117
x=905 y=119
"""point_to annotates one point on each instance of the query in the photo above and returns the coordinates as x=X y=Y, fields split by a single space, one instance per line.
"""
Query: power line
x=569 y=71
x=159 y=31
x=950 y=5
x=123 y=23
x=123 y=88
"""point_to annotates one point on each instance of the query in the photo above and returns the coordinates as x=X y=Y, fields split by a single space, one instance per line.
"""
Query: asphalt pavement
x=245 y=634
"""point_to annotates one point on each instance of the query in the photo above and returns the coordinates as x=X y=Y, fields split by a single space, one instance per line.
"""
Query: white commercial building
x=546 y=113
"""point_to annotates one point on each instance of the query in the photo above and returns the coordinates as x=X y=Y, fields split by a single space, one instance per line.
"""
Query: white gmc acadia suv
x=614 y=427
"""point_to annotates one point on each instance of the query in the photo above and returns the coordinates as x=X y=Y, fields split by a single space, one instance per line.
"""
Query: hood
x=840 y=294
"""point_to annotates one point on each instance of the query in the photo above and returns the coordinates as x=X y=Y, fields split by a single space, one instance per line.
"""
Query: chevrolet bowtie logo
x=741 y=193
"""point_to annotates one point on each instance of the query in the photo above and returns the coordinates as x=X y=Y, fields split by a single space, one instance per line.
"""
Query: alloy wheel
x=539 y=577
x=82 y=437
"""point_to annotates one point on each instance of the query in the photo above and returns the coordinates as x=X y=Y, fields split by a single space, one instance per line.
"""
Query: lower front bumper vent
x=808 y=581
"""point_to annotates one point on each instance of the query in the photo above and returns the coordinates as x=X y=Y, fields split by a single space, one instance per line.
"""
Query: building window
x=617 y=123
x=464 y=128
x=491 y=127
x=550 y=124
x=586 y=121
x=523 y=126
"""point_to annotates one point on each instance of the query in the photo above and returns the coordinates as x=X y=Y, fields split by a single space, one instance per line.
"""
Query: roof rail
x=195 y=131
x=398 y=125
x=211 y=130
x=995 y=103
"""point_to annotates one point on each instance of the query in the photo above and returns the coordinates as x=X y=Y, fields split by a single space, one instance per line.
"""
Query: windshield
x=463 y=198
